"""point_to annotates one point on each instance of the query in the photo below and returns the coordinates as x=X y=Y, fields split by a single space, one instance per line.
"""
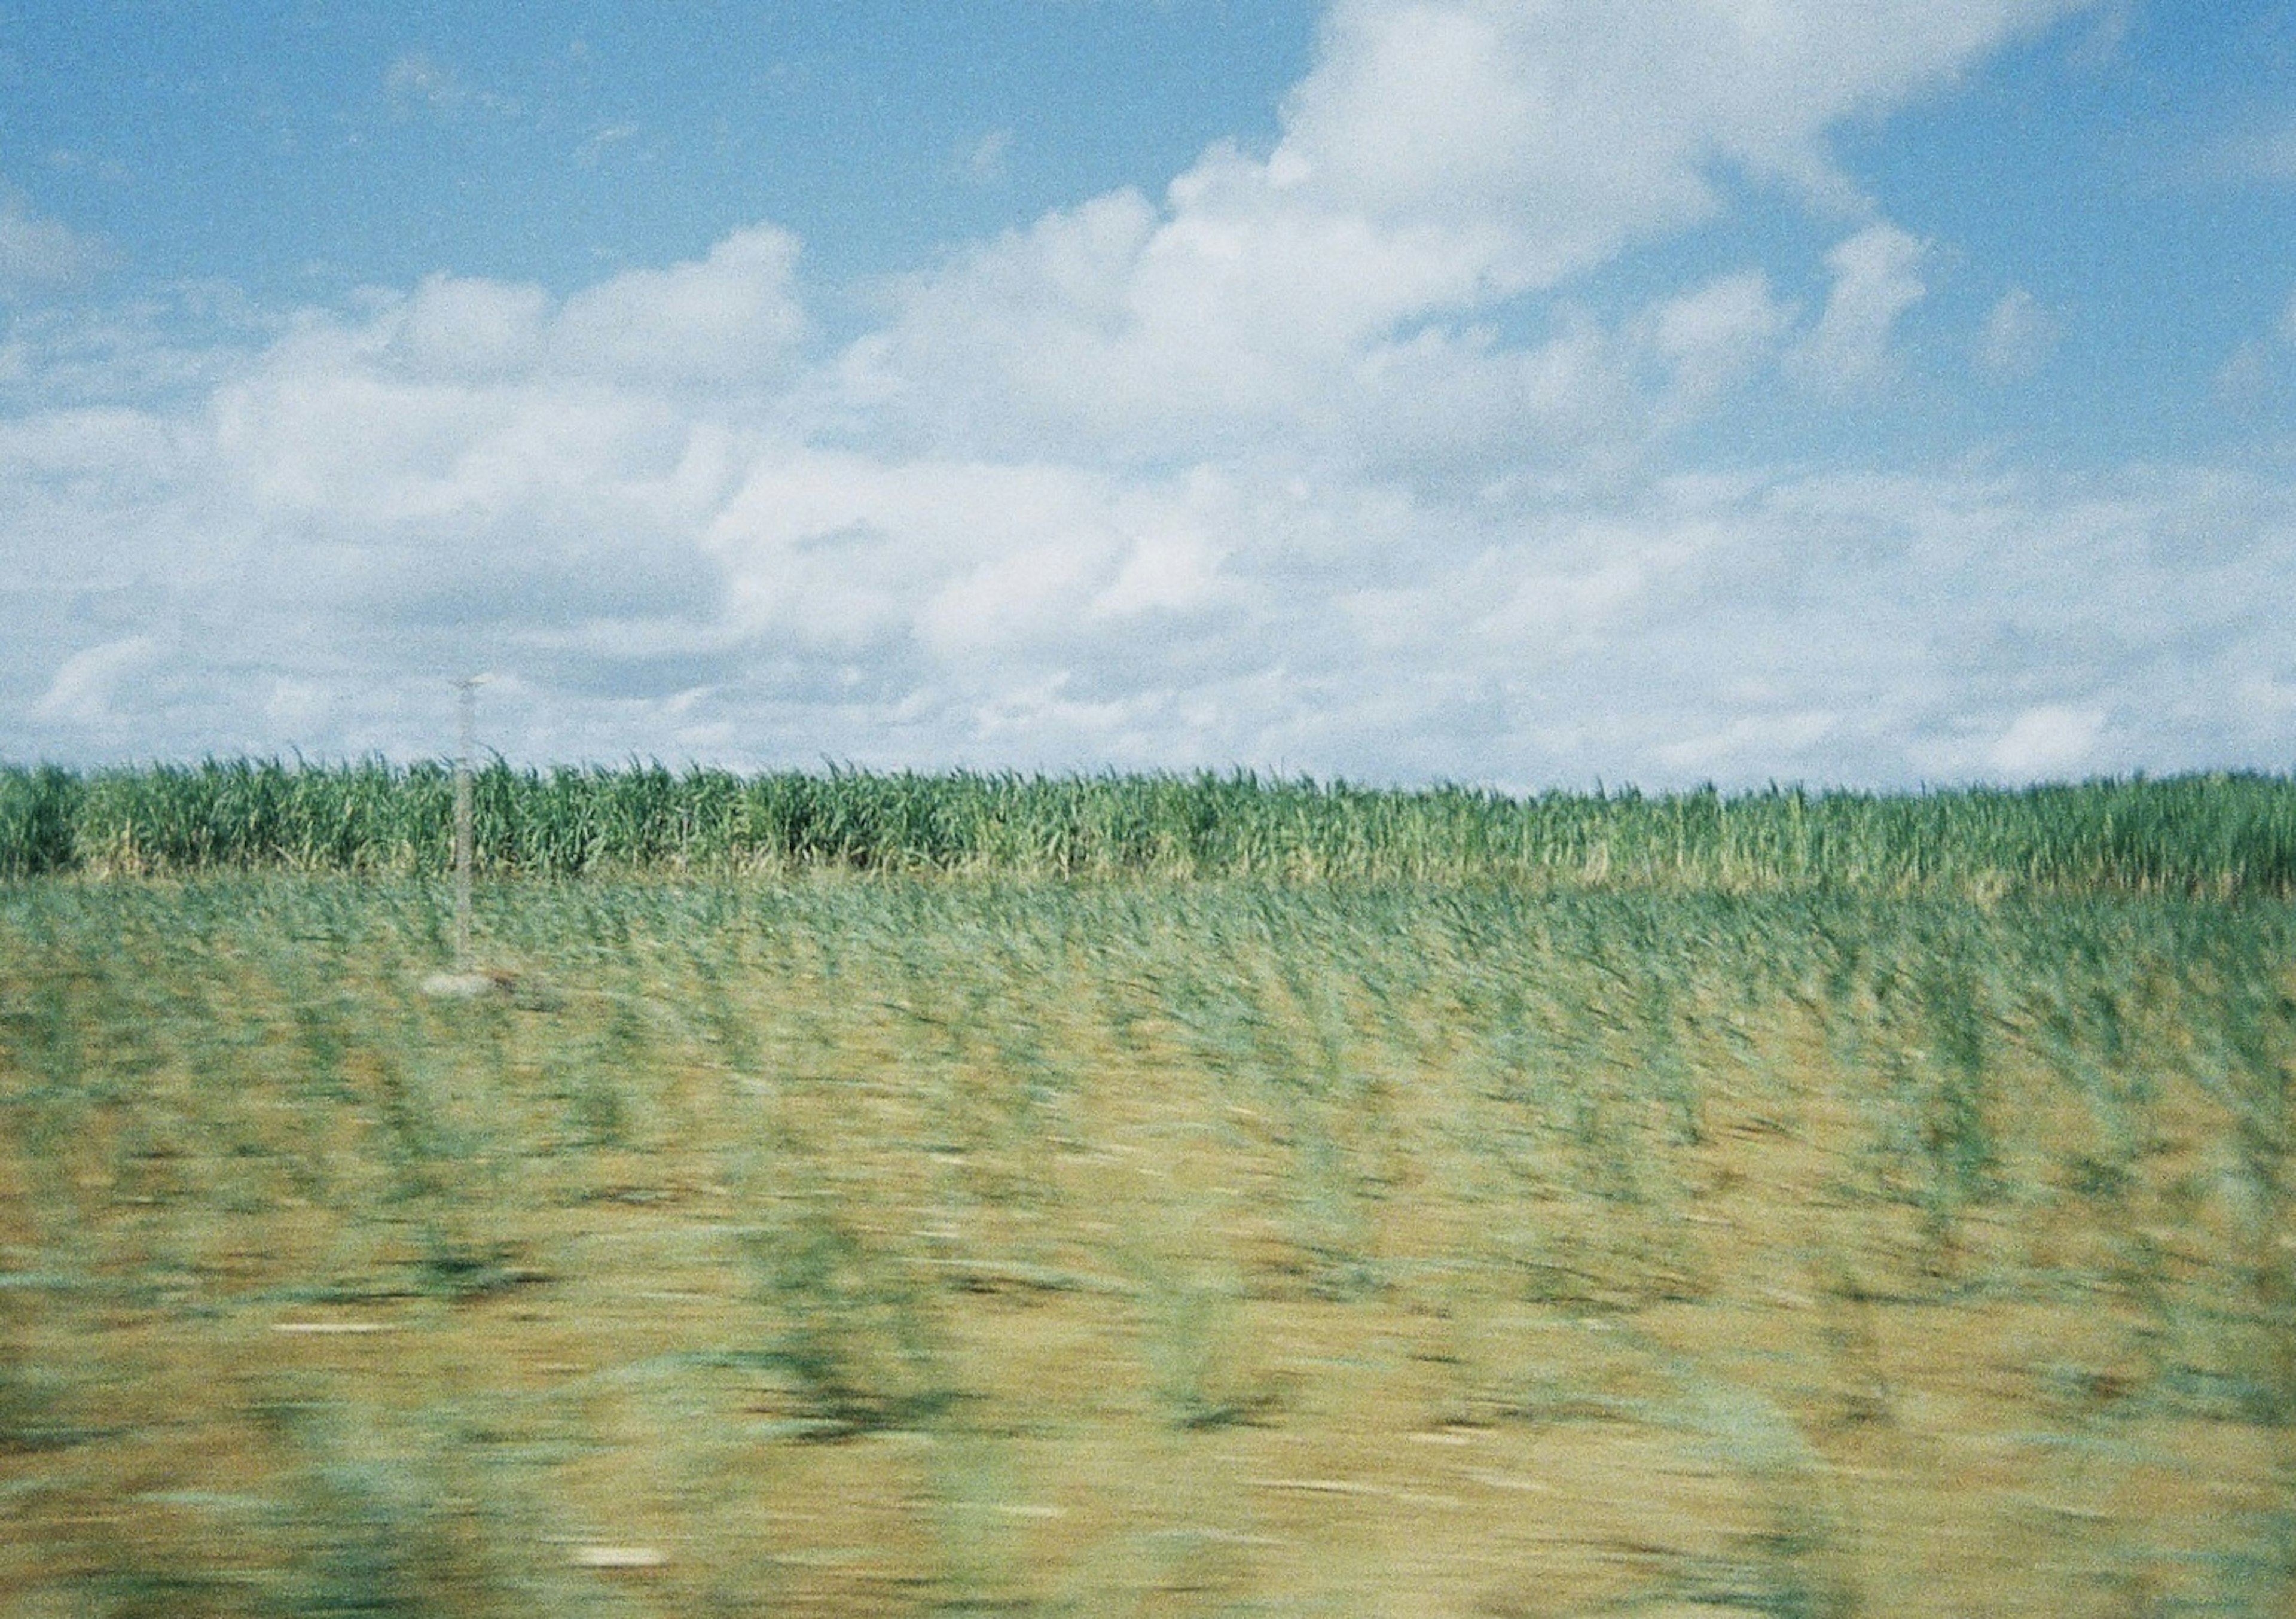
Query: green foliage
x=2222 y=836
x=39 y=815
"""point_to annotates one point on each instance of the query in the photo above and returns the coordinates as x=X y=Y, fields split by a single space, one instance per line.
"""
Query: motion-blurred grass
x=835 y=1244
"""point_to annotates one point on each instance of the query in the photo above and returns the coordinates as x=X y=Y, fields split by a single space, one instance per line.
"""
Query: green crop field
x=867 y=1194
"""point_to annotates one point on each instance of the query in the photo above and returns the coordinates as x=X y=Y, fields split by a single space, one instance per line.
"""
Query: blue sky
x=299 y=149
x=1480 y=390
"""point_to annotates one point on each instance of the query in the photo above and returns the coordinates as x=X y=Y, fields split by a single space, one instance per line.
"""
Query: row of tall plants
x=2219 y=835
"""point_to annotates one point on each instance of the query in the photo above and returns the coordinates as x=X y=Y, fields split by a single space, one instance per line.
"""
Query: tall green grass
x=2221 y=835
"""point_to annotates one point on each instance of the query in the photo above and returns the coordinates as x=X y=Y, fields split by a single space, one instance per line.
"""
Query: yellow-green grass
x=906 y=1244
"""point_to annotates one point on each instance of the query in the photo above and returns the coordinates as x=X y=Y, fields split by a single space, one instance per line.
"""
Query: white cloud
x=418 y=78
x=2018 y=337
x=729 y=317
x=335 y=537
x=470 y=329
x=2055 y=740
x=728 y=322
x=2265 y=151
x=983 y=162
x=953 y=559
x=602 y=140
x=2266 y=705
x=38 y=255
x=1795 y=734
x=2245 y=380
x=1876 y=279
x=1314 y=461
x=1714 y=336
x=1547 y=135
x=1441 y=160
x=85 y=686
x=414 y=76
x=2257 y=377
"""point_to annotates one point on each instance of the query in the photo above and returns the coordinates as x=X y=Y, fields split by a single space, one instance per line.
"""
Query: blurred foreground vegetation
x=815 y=1244
x=2217 y=835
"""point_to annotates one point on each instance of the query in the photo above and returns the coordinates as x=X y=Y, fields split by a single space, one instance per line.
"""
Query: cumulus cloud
x=471 y=329
x=658 y=581
x=1441 y=160
x=724 y=318
x=1318 y=460
x=1545 y=136
x=728 y=321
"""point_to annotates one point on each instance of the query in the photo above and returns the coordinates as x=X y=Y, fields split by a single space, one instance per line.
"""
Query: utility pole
x=468 y=687
x=465 y=981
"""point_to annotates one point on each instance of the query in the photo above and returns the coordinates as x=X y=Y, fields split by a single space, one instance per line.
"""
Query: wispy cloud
x=2264 y=152
x=2019 y=337
x=85 y=686
x=982 y=161
x=602 y=140
x=414 y=76
x=1876 y=279
x=41 y=255
x=417 y=78
x=2258 y=377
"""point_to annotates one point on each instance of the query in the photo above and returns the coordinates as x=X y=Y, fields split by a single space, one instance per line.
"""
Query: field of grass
x=841 y=1235
x=2221 y=835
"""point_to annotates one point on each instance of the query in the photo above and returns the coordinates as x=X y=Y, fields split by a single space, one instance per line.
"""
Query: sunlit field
x=930 y=1196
